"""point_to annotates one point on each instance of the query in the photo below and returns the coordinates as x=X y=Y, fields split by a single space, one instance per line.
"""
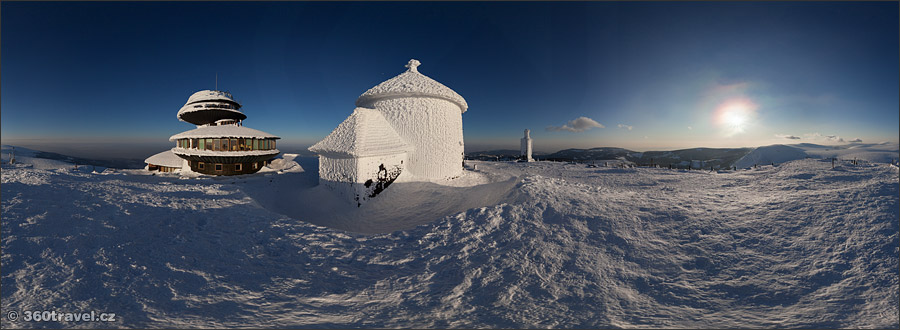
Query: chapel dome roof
x=410 y=84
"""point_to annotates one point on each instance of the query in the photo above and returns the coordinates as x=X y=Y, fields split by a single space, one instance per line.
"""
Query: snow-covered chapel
x=408 y=128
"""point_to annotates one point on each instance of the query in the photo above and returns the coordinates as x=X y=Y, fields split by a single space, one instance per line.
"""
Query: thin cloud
x=690 y=128
x=827 y=138
x=856 y=140
x=787 y=136
x=628 y=127
x=577 y=125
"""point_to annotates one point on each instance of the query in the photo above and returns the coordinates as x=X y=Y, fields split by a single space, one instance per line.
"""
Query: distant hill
x=778 y=153
x=694 y=157
x=711 y=157
x=502 y=154
x=604 y=153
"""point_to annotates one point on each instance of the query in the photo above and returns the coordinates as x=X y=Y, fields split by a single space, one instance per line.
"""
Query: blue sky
x=655 y=75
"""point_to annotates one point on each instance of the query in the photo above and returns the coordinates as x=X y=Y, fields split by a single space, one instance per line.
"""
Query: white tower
x=526 y=146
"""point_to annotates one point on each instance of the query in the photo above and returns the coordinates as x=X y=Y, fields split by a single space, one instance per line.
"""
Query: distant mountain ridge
x=712 y=157
x=693 y=157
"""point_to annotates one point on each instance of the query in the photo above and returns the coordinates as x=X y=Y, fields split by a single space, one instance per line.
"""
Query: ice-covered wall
x=360 y=178
x=433 y=127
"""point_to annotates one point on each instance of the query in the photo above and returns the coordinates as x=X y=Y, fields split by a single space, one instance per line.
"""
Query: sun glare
x=734 y=116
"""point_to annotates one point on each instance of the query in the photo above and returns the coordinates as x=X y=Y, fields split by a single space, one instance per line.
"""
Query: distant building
x=526 y=146
x=408 y=128
x=165 y=161
x=220 y=145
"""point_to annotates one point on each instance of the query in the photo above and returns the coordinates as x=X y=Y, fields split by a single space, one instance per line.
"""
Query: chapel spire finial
x=413 y=65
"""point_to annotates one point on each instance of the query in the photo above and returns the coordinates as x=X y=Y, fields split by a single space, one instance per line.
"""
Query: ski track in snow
x=555 y=245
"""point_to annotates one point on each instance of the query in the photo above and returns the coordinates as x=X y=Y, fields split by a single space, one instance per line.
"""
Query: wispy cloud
x=628 y=127
x=579 y=124
x=856 y=140
x=690 y=128
x=787 y=136
x=819 y=137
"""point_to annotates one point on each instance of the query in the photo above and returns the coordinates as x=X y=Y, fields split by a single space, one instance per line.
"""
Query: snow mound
x=869 y=152
x=770 y=154
x=28 y=158
x=283 y=164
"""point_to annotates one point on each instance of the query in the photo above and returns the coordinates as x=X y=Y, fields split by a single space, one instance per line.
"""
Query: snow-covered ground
x=510 y=245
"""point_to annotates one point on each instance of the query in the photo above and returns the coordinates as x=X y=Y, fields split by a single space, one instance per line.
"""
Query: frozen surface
x=798 y=245
x=224 y=131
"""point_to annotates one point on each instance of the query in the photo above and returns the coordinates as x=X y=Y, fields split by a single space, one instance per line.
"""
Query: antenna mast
x=217 y=81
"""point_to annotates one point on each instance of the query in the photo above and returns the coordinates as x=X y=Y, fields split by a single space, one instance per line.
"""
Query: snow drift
x=797 y=245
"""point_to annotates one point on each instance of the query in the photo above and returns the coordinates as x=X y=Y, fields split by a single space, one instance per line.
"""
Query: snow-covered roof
x=165 y=158
x=221 y=153
x=210 y=95
x=364 y=133
x=198 y=99
x=411 y=84
x=225 y=131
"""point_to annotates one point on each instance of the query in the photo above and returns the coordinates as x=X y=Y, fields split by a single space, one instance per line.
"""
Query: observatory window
x=208 y=144
x=237 y=167
x=194 y=143
x=246 y=145
x=218 y=167
x=202 y=144
x=255 y=165
x=200 y=165
x=234 y=145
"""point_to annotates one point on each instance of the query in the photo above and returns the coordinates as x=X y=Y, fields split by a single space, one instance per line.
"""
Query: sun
x=734 y=116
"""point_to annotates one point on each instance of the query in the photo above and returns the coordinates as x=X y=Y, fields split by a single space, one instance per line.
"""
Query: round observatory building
x=425 y=114
x=221 y=145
